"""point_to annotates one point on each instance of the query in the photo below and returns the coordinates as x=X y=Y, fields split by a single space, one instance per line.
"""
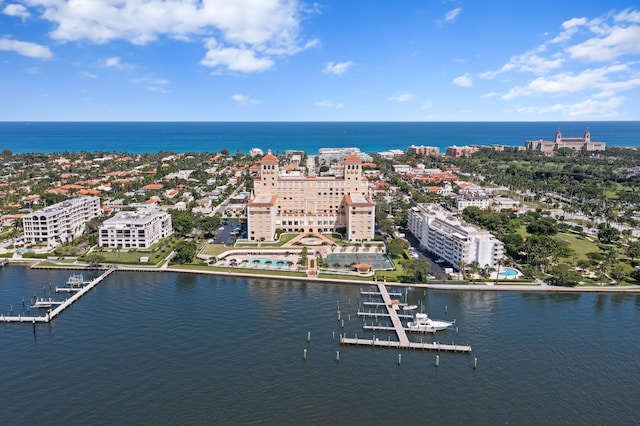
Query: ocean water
x=134 y=137
x=167 y=348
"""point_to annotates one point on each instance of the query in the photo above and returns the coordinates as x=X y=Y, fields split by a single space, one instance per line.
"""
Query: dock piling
x=437 y=360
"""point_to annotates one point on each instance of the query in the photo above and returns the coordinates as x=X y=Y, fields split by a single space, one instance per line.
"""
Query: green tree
x=397 y=246
x=607 y=234
x=185 y=252
x=417 y=269
x=618 y=274
x=95 y=259
x=564 y=275
x=182 y=222
x=633 y=250
x=543 y=226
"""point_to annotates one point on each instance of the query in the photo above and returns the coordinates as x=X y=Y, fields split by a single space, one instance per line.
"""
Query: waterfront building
x=62 y=222
x=577 y=144
x=310 y=203
x=461 y=151
x=135 y=229
x=424 y=150
x=452 y=239
x=338 y=155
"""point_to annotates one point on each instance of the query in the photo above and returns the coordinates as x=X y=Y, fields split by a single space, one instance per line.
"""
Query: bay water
x=182 y=348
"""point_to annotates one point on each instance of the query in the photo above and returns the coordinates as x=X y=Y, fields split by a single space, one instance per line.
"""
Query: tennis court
x=376 y=260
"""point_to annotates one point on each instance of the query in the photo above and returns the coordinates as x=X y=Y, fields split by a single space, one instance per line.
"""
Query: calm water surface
x=164 y=348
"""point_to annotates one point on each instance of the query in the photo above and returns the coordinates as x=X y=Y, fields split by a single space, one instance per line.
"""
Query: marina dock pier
x=62 y=306
x=403 y=341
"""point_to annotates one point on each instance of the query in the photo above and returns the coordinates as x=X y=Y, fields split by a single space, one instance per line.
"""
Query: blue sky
x=334 y=60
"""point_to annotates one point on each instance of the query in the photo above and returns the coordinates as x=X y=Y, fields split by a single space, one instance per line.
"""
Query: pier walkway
x=395 y=320
x=64 y=305
x=435 y=346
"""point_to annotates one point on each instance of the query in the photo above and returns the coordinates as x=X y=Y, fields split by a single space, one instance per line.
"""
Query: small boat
x=422 y=323
x=45 y=303
x=76 y=280
x=409 y=307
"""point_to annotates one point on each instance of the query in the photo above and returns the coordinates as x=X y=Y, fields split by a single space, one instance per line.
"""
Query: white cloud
x=245 y=99
x=235 y=59
x=17 y=10
x=464 y=80
x=87 y=74
x=570 y=28
x=250 y=34
x=426 y=105
x=25 y=48
x=115 y=62
x=337 y=68
x=599 y=79
x=489 y=95
x=159 y=89
x=328 y=104
x=530 y=61
x=451 y=15
x=588 y=108
x=617 y=42
x=402 y=97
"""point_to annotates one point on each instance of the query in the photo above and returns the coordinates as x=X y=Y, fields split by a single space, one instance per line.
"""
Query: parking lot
x=229 y=231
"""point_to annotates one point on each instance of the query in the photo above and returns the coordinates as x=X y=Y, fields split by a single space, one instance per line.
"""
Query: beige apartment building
x=310 y=203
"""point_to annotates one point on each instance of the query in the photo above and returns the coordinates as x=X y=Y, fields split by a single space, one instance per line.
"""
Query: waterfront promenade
x=442 y=285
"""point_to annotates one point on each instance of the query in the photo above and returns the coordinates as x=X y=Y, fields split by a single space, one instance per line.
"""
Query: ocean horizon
x=151 y=137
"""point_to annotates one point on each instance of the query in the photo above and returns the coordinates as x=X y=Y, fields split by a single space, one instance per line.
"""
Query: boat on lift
x=41 y=302
x=422 y=323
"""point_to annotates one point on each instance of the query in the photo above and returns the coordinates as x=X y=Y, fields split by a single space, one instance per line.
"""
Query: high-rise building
x=60 y=223
x=310 y=203
x=135 y=229
x=452 y=239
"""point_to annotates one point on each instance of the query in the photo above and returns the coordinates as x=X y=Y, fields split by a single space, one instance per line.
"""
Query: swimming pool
x=265 y=261
x=509 y=272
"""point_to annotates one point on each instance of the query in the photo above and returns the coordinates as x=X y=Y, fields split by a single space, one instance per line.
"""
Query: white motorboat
x=409 y=307
x=45 y=303
x=422 y=323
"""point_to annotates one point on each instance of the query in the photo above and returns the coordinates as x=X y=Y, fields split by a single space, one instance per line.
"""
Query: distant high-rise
x=577 y=144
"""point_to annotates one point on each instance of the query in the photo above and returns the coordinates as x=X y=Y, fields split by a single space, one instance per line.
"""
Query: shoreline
x=523 y=288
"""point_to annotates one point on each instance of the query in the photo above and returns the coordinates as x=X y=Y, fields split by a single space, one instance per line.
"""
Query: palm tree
x=618 y=274
x=604 y=268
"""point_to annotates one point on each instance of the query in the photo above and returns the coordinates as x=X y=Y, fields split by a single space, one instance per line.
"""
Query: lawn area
x=214 y=249
x=579 y=244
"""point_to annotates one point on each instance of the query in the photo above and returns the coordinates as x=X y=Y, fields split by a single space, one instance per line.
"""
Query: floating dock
x=64 y=305
x=435 y=346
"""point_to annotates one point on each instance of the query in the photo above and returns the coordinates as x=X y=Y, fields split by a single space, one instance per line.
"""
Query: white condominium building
x=453 y=239
x=62 y=222
x=137 y=229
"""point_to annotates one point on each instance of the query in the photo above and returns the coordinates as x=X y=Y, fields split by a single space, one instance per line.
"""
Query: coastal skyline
x=318 y=61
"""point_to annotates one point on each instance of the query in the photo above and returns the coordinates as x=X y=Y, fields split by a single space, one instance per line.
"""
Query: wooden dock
x=377 y=293
x=403 y=341
x=64 y=305
x=382 y=314
x=395 y=320
x=435 y=346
